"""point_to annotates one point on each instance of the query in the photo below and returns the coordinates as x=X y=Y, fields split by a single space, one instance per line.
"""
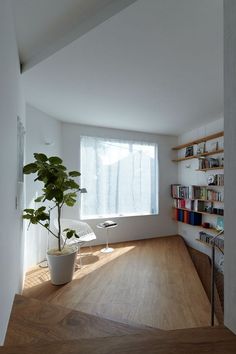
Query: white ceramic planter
x=62 y=267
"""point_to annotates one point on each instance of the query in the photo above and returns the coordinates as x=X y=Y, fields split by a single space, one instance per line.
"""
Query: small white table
x=104 y=226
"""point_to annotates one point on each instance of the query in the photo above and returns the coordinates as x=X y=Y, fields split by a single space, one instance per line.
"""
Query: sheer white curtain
x=120 y=177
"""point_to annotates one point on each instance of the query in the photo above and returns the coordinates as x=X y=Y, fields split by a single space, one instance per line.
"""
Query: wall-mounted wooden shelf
x=198 y=141
x=204 y=200
x=209 y=229
x=209 y=153
x=210 y=168
x=200 y=212
x=209 y=185
x=185 y=158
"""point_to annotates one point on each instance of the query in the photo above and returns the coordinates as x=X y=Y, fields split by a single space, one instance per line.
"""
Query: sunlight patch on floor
x=90 y=262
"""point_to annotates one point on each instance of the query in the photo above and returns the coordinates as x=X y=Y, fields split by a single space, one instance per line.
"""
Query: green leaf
x=40 y=157
x=27 y=216
x=71 y=184
x=30 y=168
x=61 y=167
x=70 y=195
x=70 y=202
x=49 y=194
x=58 y=195
x=43 y=217
x=39 y=199
x=70 y=233
x=74 y=174
x=40 y=210
x=34 y=221
x=29 y=211
x=55 y=160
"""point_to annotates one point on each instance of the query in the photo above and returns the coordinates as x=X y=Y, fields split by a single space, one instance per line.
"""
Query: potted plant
x=59 y=189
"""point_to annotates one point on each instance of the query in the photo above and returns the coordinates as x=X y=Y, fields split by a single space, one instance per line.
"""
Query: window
x=120 y=177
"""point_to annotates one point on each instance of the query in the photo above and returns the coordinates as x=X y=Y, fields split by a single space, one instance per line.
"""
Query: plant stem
x=47 y=229
x=59 y=226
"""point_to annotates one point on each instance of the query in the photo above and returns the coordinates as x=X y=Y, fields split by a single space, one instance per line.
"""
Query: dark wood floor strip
x=128 y=344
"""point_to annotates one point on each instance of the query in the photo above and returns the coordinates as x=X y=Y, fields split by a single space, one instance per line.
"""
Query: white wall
x=230 y=162
x=11 y=106
x=130 y=228
x=41 y=129
x=188 y=175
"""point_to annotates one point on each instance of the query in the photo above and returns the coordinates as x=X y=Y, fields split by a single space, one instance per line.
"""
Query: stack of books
x=197 y=192
x=188 y=217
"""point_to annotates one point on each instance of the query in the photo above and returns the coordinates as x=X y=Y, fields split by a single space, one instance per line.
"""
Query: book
x=220 y=224
x=107 y=223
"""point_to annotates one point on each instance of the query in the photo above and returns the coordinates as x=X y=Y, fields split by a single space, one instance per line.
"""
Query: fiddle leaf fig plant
x=59 y=188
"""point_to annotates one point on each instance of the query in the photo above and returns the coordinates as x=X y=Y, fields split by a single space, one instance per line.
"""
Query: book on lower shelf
x=195 y=218
x=179 y=191
x=199 y=205
x=207 y=238
x=208 y=162
x=220 y=223
x=187 y=217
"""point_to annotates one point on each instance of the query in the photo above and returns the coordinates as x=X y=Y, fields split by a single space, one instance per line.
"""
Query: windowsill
x=114 y=216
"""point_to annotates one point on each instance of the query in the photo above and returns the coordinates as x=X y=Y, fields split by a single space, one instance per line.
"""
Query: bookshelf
x=200 y=212
x=193 y=203
x=198 y=205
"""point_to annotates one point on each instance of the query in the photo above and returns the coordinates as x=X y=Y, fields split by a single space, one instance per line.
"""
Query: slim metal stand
x=107 y=249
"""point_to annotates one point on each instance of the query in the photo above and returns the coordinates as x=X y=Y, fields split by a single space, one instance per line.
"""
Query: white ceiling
x=45 y=26
x=156 y=66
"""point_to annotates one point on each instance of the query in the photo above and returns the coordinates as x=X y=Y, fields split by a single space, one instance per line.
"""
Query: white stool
x=106 y=225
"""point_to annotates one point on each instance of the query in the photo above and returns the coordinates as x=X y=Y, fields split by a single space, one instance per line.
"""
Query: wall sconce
x=48 y=142
x=83 y=190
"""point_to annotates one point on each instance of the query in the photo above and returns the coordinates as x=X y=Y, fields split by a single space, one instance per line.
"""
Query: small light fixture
x=83 y=190
x=48 y=143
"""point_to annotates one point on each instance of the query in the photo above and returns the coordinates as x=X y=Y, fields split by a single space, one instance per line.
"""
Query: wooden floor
x=33 y=322
x=194 y=341
x=151 y=282
x=37 y=327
